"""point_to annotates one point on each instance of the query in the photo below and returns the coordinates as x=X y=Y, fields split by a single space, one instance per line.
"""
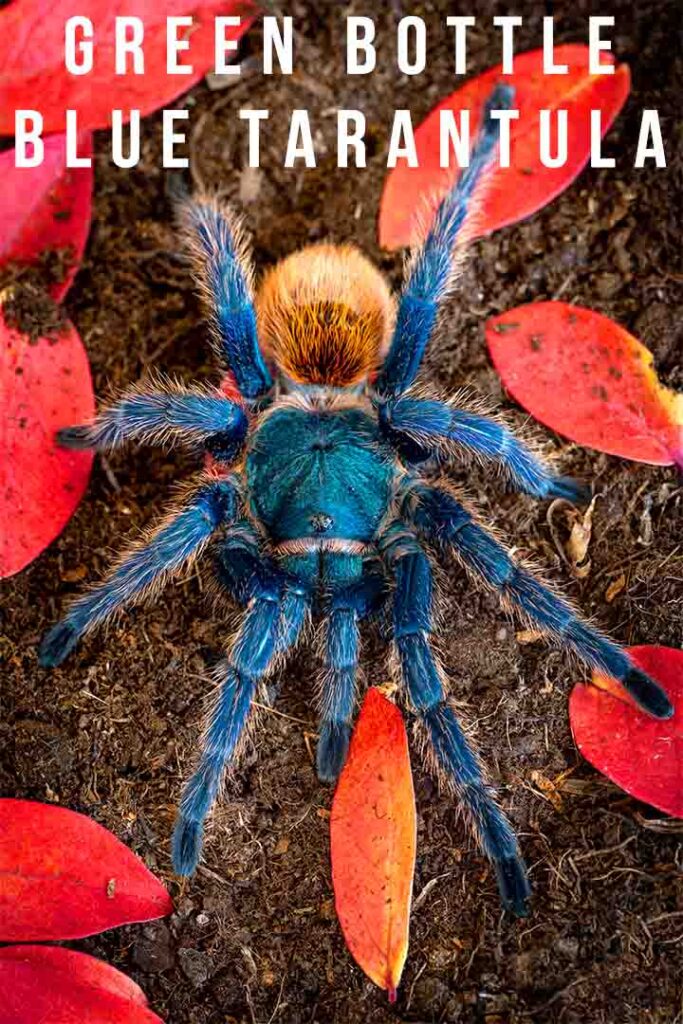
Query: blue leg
x=217 y=247
x=436 y=427
x=338 y=690
x=162 y=413
x=422 y=675
x=433 y=266
x=258 y=643
x=346 y=606
x=246 y=573
x=442 y=520
x=179 y=538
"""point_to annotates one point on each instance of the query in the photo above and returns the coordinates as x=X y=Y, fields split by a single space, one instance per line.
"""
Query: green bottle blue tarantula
x=313 y=488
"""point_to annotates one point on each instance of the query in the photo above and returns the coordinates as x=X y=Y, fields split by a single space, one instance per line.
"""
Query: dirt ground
x=113 y=733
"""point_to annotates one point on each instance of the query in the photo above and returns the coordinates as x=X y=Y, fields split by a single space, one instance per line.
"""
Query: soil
x=113 y=733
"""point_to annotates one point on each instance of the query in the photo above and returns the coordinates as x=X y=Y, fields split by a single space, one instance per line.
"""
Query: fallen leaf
x=50 y=983
x=373 y=841
x=584 y=376
x=45 y=384
x=615 y=588
x=526 y=186
x=63 y=876
x=549 y=789
x=581 y=531
x=642 y=755
x=33 y=74
x=45 y=216
x=87 y=969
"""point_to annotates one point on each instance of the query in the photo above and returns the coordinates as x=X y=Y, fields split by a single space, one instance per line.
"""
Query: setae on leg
x=251 y=656
x=177 y=539
x=434 y=264
x=435 y=426
x=338 y=691
x=421 y=674
x=216 y=244
x=159 y=414
x=442 y=520
x=346 y=607
x=246 y=573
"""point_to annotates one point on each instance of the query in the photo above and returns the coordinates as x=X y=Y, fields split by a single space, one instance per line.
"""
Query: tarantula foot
x=77 y=438
x=648 y=694
x=572 y=490
x=186 y=846
x=513 y=885
x=57 y=644
x=333 y=747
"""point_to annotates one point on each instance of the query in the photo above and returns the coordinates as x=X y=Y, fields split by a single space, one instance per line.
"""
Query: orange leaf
x=643 y=755
x=589 y=379
x=526 y=186
x=373 y=838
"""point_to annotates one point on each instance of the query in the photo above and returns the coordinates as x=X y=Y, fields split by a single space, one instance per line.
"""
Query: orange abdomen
x=325 y=315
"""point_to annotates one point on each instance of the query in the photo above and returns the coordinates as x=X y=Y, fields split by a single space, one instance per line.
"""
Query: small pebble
x=152 y=951
x=195 y=965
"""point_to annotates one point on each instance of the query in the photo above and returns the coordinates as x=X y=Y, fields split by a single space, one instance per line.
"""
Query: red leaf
x=587 y=378
x=45 y=384
x=33 y=75
x=86 y=970
x=49 y=983
x=372 y=838
x=643 y=755
x=45 y=214
x=63 y=876
x=526 y=186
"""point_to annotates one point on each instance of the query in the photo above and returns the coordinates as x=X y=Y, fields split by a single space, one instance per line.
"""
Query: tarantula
x=315 y=479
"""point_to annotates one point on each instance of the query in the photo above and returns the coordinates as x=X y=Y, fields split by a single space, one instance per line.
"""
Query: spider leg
x=261 y=638
x=422 y=675
x=435 y=426
x=347 y=607
x=219 y=252
x=434 y=265
x=179 y=537
x=246 y=573
x=443 y=521
x=338 y=689
x=162 y=412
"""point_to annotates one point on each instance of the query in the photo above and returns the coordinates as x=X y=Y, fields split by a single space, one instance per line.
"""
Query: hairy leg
x=443 y=520
x=159 y=413
x=246 y=572
x=338 y=689
x=422 y=676
x=434 y=427
x=180 y=537
x=217 y=247
x=435 y=263
x=346 y=607
x=251 y=656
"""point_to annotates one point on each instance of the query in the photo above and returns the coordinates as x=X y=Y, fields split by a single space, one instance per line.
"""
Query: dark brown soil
x=254 y=937
x=28 y=308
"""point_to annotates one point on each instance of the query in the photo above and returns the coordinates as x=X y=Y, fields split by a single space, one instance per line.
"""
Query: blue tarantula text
x=317 y=501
